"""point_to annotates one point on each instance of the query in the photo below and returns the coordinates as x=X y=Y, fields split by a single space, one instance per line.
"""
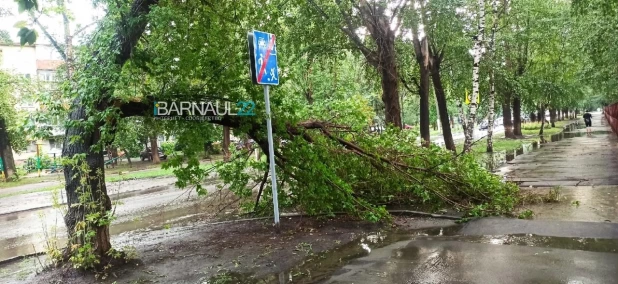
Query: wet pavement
x=576 y=160
x=485 y=251
x=574 y=240
x=446 y=261
x=25 y=219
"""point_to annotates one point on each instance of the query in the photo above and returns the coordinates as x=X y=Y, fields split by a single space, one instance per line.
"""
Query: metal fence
x=611 y=114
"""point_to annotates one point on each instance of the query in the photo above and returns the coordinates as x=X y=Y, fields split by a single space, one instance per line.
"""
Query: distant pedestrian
x=588 y=121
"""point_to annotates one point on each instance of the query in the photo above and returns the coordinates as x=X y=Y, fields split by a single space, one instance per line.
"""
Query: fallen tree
x=329 y=165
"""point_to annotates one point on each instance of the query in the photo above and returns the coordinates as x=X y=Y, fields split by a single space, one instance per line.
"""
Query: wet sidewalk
x=576 y=160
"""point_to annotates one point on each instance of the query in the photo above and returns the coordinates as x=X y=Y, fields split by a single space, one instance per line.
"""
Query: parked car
x=148 y=155
x=483 y=125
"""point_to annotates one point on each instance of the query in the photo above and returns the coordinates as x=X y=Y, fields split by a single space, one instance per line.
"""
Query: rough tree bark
x=6 y=152
x=154 y=150
x=507 y=120
x=552 y=117
x=492 y=78
x=421 y=50
x=442 y=104
x=478 y=54
x=127 y=35
x=517 y=117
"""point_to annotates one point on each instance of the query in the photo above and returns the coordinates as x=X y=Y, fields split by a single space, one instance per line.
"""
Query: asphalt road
x=26 y=218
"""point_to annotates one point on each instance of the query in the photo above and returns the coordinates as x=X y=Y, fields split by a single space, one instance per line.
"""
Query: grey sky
x=82 y=11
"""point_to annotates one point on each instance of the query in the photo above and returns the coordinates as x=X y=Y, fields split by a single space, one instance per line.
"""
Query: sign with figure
x=263 y=55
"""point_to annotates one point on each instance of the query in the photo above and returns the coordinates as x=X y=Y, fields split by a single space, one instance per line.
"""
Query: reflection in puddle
x=409 y=247
x=366 y=247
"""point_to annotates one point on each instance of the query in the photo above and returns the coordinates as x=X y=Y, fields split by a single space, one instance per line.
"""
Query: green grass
x=533 y=128
x=139 y=175
x=500 y=144
x=503 y=144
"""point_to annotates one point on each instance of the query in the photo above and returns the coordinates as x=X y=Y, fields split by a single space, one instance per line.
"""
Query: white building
x=37 y=62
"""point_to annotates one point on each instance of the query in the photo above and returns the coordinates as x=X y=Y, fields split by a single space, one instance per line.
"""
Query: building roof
x=48 y=64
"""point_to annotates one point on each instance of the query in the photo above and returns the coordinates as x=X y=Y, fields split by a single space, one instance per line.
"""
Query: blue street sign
x=263 y=52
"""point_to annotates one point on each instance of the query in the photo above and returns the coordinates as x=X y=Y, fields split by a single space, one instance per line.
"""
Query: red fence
x=611 y=113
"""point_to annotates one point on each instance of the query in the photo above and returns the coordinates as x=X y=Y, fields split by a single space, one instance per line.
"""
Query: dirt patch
x=197 y=252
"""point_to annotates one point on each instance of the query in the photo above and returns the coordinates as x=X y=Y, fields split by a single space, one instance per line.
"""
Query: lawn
x=530 y=130
x=500 y=144
x=533 y=128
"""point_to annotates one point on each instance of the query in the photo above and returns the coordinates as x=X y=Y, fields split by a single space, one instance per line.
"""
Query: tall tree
x=492 y=77
x=379 y=25
x=478 y=54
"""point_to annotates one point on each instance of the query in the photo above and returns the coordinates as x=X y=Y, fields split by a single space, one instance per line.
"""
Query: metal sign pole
x=271 y=155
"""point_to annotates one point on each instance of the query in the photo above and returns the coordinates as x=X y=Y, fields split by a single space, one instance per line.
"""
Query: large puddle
x=394 y=246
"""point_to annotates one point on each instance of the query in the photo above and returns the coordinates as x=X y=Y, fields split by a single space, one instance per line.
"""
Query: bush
x=168 y=147
x=46 y=163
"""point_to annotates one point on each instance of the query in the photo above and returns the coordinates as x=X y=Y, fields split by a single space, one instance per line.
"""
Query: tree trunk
x=517 y=117
x=390 y=89
x=6 y=152
x=490 y=120
x=492 y=78
x=478 y=53
x=442 y=106
x=540 y=116
x=91 y=188
x=114 y=156
x=379 y=26
x=121 y=45
x=542 y=120
x=128 y=159
x=507 y=120
x=421 y=52
x=226 y=143
x=552 y=117
x=424 y=120
x=154 y=150
x=532 y=117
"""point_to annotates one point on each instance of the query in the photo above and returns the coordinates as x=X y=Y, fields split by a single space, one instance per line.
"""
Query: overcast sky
x=82 y=11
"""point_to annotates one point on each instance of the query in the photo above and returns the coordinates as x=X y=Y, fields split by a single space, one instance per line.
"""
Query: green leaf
x=26 y=5
x=20 y=24
x=31 y=37
x=27 y=36
x=22 y=32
